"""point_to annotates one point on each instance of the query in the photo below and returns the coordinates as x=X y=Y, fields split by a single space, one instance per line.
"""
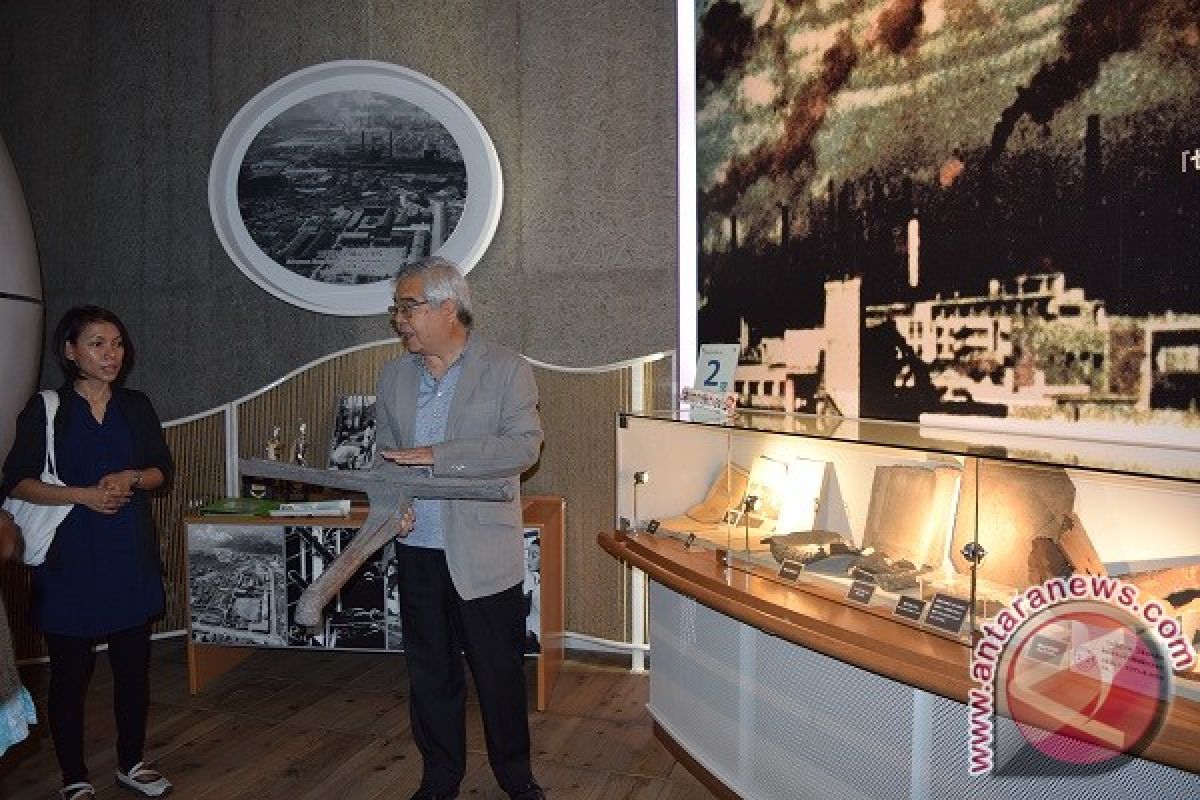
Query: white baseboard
x=581 y=641
x=571 y=641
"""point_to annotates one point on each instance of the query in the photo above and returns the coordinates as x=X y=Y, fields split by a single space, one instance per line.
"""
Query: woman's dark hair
x=71 y=326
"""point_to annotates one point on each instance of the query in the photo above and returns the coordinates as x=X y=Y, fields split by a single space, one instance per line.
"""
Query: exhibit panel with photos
x=245 y=579
x=903 y=521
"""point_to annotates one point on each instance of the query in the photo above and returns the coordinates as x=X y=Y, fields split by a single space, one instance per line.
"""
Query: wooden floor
x=294 y=724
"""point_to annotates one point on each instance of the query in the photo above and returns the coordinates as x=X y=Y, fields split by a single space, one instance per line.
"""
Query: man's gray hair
x=441 y=280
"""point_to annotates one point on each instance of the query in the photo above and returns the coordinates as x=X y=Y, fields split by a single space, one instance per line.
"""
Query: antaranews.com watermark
x=1081 y=666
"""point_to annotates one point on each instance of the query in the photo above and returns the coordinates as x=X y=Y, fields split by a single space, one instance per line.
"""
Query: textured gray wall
x=112 y=110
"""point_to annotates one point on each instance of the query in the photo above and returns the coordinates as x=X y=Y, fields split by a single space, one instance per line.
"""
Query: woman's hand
x=126 y=480
x=104 y=498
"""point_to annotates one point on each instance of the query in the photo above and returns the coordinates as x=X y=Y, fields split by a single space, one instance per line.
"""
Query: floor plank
x=318 y=725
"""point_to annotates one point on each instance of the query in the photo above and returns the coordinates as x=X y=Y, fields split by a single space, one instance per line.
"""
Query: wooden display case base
x=854 y=636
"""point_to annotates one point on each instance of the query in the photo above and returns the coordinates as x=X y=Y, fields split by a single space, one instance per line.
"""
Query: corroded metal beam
x=390 y=488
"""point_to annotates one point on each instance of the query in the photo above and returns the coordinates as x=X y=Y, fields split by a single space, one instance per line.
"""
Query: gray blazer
x=493 y=431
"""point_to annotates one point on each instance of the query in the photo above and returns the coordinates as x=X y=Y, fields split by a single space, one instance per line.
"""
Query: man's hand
x=410 y=456
x=407 y=521
x=10 y=537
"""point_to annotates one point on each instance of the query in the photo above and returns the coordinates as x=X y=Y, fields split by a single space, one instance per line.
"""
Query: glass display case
x=935 y=527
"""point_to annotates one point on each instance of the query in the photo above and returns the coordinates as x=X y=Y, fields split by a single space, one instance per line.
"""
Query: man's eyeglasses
x=406 y=308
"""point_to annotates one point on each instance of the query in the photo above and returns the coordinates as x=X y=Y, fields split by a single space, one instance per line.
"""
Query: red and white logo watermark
x=1084 y=671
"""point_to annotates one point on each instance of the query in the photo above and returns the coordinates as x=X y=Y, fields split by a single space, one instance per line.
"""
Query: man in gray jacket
x=465 y=407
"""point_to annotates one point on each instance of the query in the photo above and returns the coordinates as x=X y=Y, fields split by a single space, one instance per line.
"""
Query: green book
x=241 y=506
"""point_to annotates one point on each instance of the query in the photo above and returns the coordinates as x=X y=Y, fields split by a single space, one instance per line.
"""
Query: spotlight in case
x=973 y=552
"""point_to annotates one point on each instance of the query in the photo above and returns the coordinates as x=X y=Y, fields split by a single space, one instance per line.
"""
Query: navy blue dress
x=95 y=580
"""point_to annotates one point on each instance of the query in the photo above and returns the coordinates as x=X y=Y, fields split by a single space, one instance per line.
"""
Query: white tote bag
x=39 y=523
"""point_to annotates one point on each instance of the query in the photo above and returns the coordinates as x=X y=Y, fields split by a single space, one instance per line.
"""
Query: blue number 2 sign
x=715 y=367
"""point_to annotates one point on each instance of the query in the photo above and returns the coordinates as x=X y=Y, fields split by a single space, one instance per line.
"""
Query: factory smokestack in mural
x=914 y=251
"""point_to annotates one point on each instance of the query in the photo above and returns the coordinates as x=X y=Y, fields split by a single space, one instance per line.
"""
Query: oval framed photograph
x=334 y=176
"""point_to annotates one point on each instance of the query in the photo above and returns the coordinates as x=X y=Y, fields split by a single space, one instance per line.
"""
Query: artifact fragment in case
x=808 y=547
x=892 y=576
x=1014 y=505
x=911 y=512
x=1179 y=588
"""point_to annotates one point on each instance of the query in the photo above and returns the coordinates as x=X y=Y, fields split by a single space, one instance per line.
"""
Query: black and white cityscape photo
x=346 y=187
x=236 y=584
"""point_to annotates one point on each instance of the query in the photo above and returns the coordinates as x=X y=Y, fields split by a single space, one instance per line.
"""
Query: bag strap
x=50 y=400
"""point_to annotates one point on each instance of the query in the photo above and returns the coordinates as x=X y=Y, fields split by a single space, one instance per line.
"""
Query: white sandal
x=144 y=781
x=77 y=791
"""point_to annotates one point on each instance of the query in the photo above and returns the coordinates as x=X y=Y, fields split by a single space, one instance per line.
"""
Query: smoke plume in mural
x=995 y=205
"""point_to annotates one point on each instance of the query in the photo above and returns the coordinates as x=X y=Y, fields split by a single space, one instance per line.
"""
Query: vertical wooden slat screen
x=309 y=397
x=198 y=447
x=578 y=463
x=660 y=384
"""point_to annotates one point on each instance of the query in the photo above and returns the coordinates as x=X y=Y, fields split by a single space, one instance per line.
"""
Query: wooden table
x=207 y=661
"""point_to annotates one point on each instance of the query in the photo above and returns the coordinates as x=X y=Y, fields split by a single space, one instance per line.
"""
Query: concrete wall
x=112 y=109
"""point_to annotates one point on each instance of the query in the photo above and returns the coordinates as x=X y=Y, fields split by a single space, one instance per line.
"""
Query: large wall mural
x=910 y=207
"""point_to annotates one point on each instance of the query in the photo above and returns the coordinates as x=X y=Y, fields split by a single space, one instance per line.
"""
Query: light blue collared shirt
x=433 y=409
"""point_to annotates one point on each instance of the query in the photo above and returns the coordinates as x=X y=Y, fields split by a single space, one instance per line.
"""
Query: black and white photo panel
x=355 y=618
x=391 y=596
x=533 y=590
x=236 y=584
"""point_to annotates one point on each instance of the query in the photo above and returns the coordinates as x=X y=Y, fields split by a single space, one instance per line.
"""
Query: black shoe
x=431 y=794
x=530 y=792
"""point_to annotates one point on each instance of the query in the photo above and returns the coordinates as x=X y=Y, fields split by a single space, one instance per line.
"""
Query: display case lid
x=1157 y=453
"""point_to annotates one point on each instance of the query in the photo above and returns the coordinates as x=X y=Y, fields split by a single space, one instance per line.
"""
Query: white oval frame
x=465 y=246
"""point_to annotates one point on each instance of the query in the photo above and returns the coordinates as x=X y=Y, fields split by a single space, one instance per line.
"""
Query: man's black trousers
x=439 y=627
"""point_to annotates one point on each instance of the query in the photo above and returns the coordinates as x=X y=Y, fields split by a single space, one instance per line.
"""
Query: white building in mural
x=808 y=370
x=1030 y=343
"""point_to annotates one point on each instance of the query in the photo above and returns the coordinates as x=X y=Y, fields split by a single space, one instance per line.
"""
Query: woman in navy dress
x=102 y=577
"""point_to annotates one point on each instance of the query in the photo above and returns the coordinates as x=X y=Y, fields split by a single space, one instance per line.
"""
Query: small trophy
x=258 y=489
x=274 y=444
x=300 y=446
